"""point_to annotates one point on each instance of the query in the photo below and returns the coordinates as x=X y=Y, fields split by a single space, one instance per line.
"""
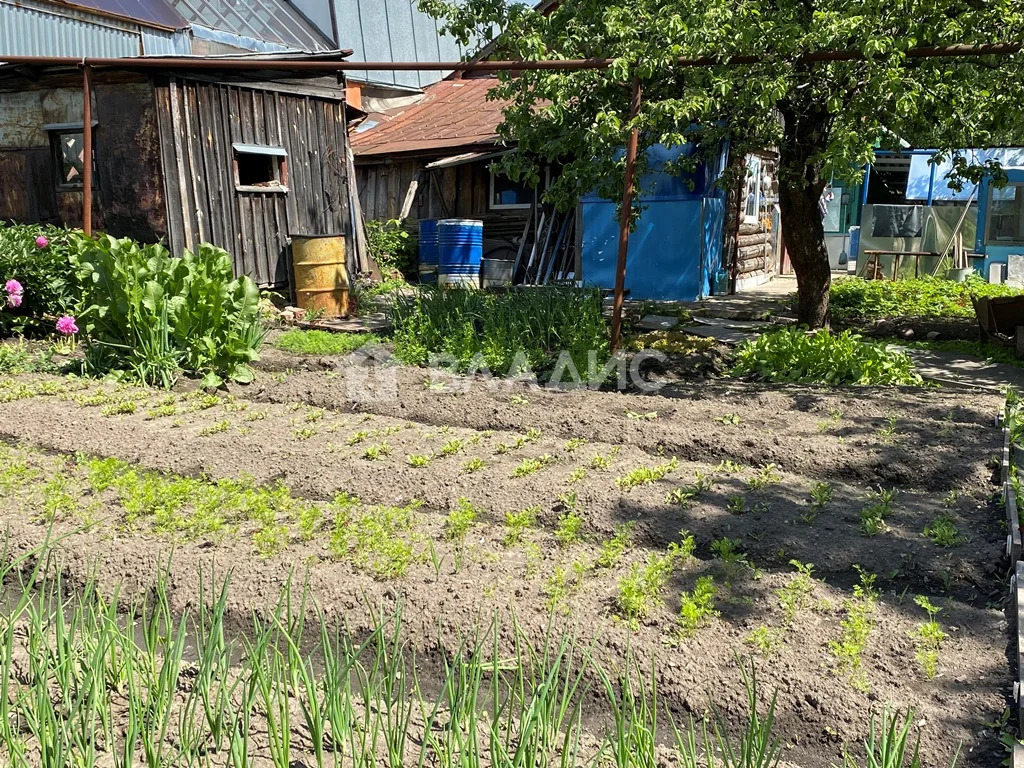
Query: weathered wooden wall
x=460 y=191
x=128 y=200
x=199 y=121
x=748 y=245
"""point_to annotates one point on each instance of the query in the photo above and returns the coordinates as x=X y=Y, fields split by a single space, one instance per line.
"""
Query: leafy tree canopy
x=824 y=119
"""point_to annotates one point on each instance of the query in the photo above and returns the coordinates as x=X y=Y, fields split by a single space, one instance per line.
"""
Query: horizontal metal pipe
x=320 y=65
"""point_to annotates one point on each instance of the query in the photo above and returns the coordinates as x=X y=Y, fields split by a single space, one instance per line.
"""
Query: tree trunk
x=804 y=235
x=800 y=188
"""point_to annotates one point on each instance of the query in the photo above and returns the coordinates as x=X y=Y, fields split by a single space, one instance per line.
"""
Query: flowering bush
x=38 y=279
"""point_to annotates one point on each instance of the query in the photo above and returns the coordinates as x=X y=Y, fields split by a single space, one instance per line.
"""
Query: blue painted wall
x=994 y=254
x=677 y=244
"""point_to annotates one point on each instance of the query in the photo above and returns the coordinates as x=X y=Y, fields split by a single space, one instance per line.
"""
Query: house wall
x=753 y=247
x=199 y=121
x=128 y=196
x=460 y=192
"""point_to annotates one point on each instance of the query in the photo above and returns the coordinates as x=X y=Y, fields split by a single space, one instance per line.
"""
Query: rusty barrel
x=321 y=277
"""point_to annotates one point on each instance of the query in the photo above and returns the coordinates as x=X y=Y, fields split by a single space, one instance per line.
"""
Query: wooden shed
x=244 y=161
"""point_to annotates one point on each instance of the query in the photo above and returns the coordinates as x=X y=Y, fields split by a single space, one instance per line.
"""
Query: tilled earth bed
x=721 y=463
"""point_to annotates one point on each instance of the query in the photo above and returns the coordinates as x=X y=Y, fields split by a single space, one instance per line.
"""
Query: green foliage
x=393 y=248
x=928 y=639
x=506 y=333
x=646 y=475
x=610 y=551
x=697 y=608
x=148 y=314
x=458 y=525
x=322 y=342
x=856 y=629
x=380 y=540
x=765 y=476
x=821 y=497
x=825 y=118
x=46 y=275
x=639 y=592
x=569 y=527
x=887 y=743
x=853 y=298
x=792 y=354
x=530 y=466
x=943 y=532
x=517 y=523
x=872 y=516
x=418 y=460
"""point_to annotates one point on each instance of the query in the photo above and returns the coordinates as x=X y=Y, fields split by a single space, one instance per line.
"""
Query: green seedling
x=821 y=497
x=856 y=629
x=570 y=522
x=517 y=523
x=519 y=400
x=473 y=465
x=610 y=551
x=943 y=532
x=255 y=416
x=646 y=475
x=578 y=474
x=767 y=640
x=888 y=433
x=765 y=476
x=928 y=639
x=377 y=451
x=215 y=429
x=729 y=419
x=120 y=408
x=457 y=527
x=418 y=460
x=649 y=416
x=639 y=592
x=529 y=466
x=729 y=467
x=451 y=447
x=737 y=505
x=562 y=584
x=834 y=417
x=697 y=608
x=304 y=433
x=574 y=442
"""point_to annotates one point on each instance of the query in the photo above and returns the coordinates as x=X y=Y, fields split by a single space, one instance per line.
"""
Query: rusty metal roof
x=151 y=12
x=455 y=113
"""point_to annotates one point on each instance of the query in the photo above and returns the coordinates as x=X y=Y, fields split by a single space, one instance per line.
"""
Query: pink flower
x=42 y=242
x=14 y=299
x=66 y=325
x=14 y=288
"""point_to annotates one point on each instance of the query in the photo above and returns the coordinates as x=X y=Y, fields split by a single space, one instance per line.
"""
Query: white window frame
x=504 y=206
x=747 y=218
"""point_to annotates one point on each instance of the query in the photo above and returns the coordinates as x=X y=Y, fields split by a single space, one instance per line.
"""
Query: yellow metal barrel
x=321 y=277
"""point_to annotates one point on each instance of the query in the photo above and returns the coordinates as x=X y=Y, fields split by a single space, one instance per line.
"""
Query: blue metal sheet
x=664 y=258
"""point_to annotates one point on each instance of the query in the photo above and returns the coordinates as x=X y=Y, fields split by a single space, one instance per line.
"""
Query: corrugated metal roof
x=156 y=12
x=391 y=30
x=38 y=30
x=455 y=113
x=268 y=20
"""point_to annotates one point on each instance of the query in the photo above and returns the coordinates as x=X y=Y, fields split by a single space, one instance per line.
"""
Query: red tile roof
x=455 y=113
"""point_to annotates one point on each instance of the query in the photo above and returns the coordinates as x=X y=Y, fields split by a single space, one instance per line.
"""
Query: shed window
x=1006 y=215
x=507 y=194
x=68 y=144
x=260 y=168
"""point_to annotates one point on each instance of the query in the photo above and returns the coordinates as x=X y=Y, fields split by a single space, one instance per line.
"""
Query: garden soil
x=308 y=425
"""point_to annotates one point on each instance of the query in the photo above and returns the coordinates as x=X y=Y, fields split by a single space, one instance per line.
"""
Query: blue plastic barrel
x=461 y=251
x=428 y=251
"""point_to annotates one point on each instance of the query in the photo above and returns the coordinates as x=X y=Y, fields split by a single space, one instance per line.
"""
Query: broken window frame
x=56 y=133
x=278 y=158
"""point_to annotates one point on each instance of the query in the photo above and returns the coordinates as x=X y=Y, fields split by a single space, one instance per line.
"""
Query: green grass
x=322 y=342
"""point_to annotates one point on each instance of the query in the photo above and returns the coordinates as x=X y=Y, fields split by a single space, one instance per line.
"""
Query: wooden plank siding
x=199 y=121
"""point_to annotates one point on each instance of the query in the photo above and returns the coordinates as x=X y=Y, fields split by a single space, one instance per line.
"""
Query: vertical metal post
x=87 y=149
x=624 y=217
